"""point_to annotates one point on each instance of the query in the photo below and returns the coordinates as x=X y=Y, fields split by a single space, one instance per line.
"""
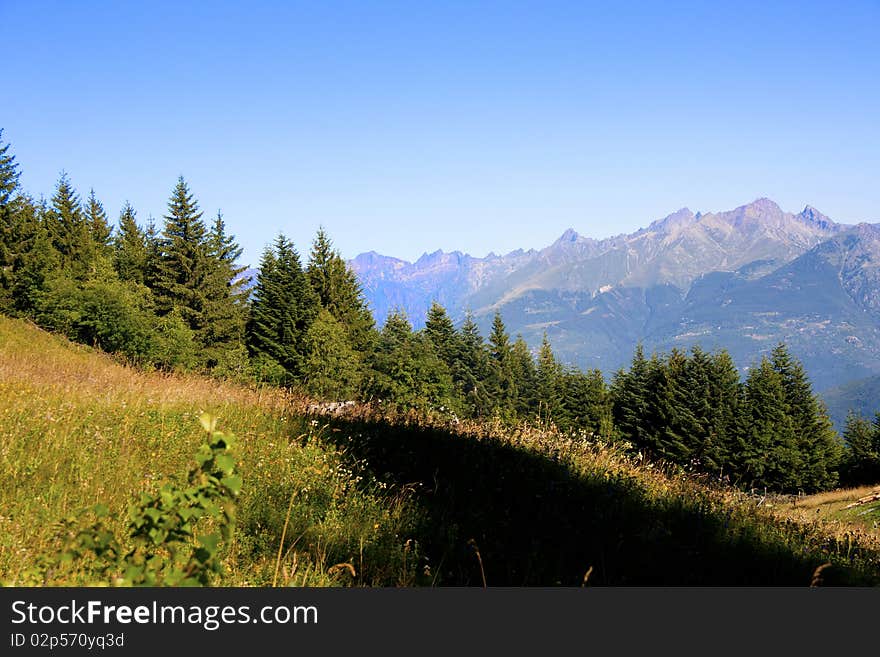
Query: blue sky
x=479 y=126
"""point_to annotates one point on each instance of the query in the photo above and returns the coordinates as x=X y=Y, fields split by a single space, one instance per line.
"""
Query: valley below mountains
x=743 y=280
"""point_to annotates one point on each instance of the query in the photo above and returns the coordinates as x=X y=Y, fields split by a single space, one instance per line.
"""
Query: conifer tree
x=69 y=230
x=862 y=450
x=500 y=384
x=475 y=369
x=767 y=454
x=183 y=279
x=99 y=228
x=629 y=391
x=10 y=233
x=9 y=175
x=549 y=384
x=130 y=247
x=282 y=311
x=524 y=376
x=224 y=306
x=332 y=368
x=718 y=415
x=816 y=443
x=586 y=402
x=406 y=369
x=338 y=290
x=153 y=262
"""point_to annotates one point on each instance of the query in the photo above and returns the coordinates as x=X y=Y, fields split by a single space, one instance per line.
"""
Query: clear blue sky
x=480 y=126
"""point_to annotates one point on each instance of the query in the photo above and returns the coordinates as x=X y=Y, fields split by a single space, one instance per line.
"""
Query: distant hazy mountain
x=743 y=279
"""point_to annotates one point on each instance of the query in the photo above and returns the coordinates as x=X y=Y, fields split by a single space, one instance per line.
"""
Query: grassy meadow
x=378 y=499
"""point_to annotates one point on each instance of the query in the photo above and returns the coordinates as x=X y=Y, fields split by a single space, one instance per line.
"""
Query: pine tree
x=99 y=228
x=9 y=175
x=720 y=414
x=332 y=368
x=34 y=271
x=818 y=450
x=406 y=369
x=767 y=453
x=587 y=403
x=130 y=247
x=862 y=438
x=283 y=309
x=10 y=236
x=69 y=230
x=549 y=384
x=524 y=376
x=500 y=384
x=629 y=391
x=184 y=271
x=225 y=300
x=338 y=290
x=475 y=369
x=153 y=262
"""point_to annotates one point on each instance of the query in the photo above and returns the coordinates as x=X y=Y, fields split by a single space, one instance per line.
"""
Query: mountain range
x=744 y=280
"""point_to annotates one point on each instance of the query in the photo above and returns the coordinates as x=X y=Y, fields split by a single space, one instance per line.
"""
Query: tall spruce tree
x=500 y=384
x=100 y=229
x=407 y=370
x=69 y=231
x=153 y=262
x=819 y=452
x=10 y=236
x=225 y=299
x=475 y=369
x=629 y=390
x=525 y=378
x=183 y=279
x=130 y=247
x=282 y=311
x=767 y=454
x=586 y=401
x=862 y=438
x=549 y=385
x=338 y=290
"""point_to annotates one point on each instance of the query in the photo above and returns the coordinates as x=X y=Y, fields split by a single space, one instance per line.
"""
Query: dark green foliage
x=339 y=291
x=153 y=265
x=406 y=371
x=225 y=301
x=549 y=385
x=475 y=368
x=862 y=460
x=629 y=390
x=500 y=385
x=184 y=269
x=24 y=260
x=98 y=226
x=283 y=308
x=69 y=231
x=817 y=444
x=525 y=378
x=113 y=316
x=34 y=270
x=586 y=403
x=9 y=174
x=332 y=368
x=130 y=247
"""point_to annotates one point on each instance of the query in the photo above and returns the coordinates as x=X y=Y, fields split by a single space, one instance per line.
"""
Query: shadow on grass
x=538 y=523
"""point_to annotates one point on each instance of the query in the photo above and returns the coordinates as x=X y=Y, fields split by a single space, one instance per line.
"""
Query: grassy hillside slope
x=376 y=499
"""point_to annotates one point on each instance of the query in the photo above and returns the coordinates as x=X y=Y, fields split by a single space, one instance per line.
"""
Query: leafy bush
x=163 y=547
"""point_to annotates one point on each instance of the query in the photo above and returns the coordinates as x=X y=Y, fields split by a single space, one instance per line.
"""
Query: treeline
x=174 y=297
